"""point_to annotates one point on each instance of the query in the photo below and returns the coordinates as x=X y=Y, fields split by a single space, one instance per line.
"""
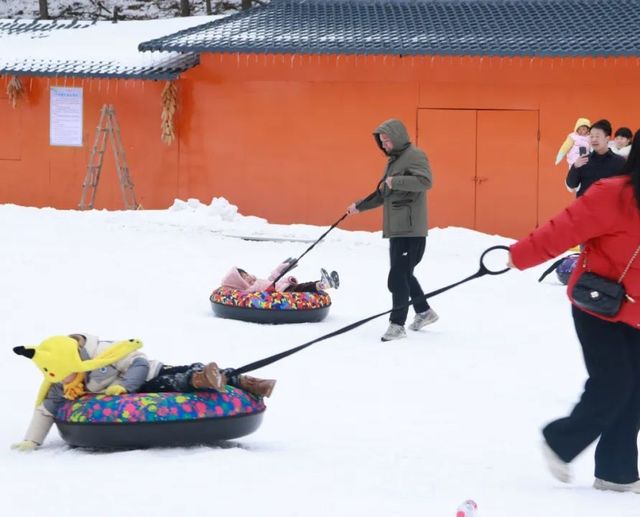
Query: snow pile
x=219 y=207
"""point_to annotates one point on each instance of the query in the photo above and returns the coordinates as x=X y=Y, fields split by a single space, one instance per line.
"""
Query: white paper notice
x=65 y=123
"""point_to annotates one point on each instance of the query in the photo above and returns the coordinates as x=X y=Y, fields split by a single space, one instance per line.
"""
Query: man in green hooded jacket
x=402 y=194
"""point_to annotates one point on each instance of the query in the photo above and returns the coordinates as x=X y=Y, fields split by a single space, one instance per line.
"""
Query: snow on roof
x=93 y=48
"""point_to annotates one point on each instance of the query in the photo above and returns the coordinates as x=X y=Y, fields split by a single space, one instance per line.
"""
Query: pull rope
x=482 y=271
x=295 y=262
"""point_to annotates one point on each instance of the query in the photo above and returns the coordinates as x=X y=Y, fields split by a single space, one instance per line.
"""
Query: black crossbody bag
x=600 y=295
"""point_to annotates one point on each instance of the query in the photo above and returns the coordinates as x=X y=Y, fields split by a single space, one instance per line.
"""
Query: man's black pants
x=610 y=405
x=405 y=254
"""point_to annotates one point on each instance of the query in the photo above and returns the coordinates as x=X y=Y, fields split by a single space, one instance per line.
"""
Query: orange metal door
x=507 y=172
x=449 y=139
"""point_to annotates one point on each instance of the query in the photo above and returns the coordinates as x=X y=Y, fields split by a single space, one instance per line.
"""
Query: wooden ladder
x=107 y=128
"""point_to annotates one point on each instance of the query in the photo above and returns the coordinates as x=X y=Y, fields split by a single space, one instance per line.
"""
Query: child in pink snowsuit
x=574 y=141
x=238 y=278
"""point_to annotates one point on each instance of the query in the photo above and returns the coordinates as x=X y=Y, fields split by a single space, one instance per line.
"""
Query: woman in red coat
x=606 y=220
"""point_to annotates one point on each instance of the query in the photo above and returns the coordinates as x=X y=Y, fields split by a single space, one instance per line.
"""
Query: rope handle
x=484 y=269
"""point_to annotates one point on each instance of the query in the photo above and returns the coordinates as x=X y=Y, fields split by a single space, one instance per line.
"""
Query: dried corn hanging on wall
x=169 y=105
x=15 y=90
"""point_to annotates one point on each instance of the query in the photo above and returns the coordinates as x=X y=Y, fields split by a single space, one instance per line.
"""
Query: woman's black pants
x=609 y=409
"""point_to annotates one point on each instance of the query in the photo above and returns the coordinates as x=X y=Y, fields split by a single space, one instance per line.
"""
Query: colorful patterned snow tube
x=270 y=306
x=566 y=267
x=143 y=420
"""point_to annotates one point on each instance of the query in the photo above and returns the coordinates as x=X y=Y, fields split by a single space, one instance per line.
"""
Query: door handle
x=479 y=180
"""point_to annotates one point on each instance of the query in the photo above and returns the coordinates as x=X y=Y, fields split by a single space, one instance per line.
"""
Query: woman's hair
x=632 y=166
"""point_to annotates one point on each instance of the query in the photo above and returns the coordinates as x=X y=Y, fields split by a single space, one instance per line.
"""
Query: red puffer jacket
x=607 y=220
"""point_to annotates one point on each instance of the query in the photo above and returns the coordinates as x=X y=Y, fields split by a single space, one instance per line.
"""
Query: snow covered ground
x=354 y=427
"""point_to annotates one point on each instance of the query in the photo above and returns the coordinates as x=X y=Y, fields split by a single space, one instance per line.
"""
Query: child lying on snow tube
x=81 y=364
x=239 y=279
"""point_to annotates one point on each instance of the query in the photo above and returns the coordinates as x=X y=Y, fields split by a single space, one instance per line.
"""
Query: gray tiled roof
x=421 y=27
x=170 y=69
x=68 y=48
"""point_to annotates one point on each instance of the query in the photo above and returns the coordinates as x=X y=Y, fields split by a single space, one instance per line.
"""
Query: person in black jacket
x=601 y=163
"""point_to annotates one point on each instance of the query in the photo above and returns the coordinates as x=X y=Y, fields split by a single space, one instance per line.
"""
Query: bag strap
x=629 y=265
x=626 y=269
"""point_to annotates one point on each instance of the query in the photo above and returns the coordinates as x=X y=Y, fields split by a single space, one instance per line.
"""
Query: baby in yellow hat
x=577 y=143
x=80 y=364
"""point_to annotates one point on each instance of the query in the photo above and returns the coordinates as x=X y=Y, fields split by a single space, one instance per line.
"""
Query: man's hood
x=397 y=132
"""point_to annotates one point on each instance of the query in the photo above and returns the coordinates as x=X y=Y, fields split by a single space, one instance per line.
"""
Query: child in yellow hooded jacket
x=80 y=364
x=576 y=140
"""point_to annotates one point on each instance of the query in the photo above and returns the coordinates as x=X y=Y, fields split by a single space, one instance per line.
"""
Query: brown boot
x=210 y=378
x=259 y=387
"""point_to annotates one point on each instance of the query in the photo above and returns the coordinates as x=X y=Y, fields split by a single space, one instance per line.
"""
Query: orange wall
x=42 y=175
x=289 y=137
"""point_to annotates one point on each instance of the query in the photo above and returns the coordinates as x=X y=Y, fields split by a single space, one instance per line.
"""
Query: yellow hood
x=58 y=357
x=582 y=122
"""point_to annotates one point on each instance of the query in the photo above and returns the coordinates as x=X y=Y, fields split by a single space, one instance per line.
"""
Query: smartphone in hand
x=582 y=150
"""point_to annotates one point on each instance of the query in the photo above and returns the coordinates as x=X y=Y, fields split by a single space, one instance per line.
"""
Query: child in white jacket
x=621 y=143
